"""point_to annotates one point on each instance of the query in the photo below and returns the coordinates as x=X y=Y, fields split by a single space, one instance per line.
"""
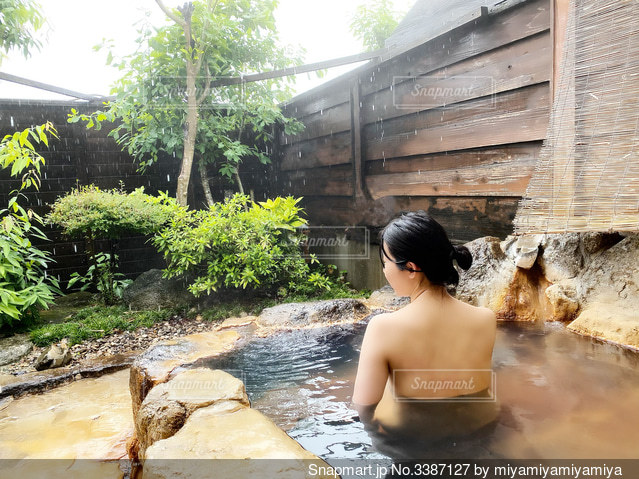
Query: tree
x=19 y=21
x=374 y=22
x=167 y=100
x=25 y=286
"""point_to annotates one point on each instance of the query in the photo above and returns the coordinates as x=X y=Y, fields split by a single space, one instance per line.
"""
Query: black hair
x=418 y=238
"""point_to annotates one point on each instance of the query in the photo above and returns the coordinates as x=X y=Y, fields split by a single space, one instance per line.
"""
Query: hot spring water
x=561 y=395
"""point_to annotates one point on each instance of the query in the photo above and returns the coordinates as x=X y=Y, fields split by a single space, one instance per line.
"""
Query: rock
x=524 y=298
x=523 y=250
x=14 y=348
x=167 y=407
x=56 y=356
x=561 y=258
x=385 y=298
x=486 y=282
x=315 y=312
x=562 y=300
x=220 y=433
x=156 y=364
x=237 y=322
x=607 y=321
x=151 y=291
x=594 y=242
x=613 y=273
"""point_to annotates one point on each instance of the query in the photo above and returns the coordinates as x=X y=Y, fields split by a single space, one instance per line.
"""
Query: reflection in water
x=561 y=395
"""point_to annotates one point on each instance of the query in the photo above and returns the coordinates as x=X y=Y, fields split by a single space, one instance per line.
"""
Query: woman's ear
x=412 y=266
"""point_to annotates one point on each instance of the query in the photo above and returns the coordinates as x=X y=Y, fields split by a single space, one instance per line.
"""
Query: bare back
x=432 y=349
x=439 y=347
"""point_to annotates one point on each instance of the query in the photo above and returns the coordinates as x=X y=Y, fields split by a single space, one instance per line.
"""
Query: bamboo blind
x=587 y=177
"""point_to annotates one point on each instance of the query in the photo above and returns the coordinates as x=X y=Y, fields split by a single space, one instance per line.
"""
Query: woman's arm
x=372 y=371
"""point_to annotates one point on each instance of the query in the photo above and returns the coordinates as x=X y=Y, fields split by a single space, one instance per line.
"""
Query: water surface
x=562 y=395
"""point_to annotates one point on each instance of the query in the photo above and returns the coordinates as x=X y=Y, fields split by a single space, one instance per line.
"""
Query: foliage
x=19 y=21
x=237 y=244
x=89 y=211
x=24 y=284
x=374 y=22
x=151 y=109
x=100 y=275
x=93 y=213
x=97 y=322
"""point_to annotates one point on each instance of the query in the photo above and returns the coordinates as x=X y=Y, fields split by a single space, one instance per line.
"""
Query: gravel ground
x=120 y=342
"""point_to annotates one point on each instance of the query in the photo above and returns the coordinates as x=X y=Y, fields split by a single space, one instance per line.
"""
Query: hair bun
x=462 y=255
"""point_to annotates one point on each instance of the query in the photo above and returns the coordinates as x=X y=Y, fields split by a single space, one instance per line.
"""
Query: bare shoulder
x=379 y=321
x=484 y=317
x=380 y=325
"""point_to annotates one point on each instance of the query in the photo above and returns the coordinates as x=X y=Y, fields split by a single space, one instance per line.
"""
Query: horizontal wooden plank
x=324 y=122
x=337 y=92
x=464 y=218
x=455 y=159
x=515 y=24
x=513 y=66
x=480 y=108
x=325 y=151
x=498 y=178
x=513 y=117
x=329 y=181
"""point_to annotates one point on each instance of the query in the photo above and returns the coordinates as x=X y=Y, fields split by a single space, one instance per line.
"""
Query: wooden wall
x=371 y=148
x=81 y=157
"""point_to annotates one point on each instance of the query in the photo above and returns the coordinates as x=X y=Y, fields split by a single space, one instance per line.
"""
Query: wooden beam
x=500 y=178
x=309 y=67
x=47 y=87
x=356 y=139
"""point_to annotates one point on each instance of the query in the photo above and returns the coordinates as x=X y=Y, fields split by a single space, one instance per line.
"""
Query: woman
x=424 y=370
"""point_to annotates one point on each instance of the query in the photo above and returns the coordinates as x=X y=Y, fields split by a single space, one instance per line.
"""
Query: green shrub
x=91 y=213
x=25 y=286
x=238 y=244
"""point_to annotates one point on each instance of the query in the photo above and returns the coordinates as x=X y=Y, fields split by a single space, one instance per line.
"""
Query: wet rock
x=221 y=433
x=237 y=322
x=563 y=302
x=486 y=282
x=167 y=407
x=525 y=298
x=385 y=298
x=156 y=364
x=292 y=315
x=607 y=321
x=56 y=356
x=14 y=348
x=151 y=291
x=561 y=258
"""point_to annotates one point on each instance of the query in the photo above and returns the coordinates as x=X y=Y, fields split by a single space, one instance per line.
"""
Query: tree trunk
x=239 y=180
x=190 y=132
x=205 y=183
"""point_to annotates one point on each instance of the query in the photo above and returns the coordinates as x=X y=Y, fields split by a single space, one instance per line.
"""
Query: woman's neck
x=422 y=291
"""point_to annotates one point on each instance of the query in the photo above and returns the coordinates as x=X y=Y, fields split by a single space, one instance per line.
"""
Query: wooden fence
x=81 y=157
x=379 y=140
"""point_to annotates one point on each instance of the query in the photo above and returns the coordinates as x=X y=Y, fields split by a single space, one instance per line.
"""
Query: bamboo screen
x=587 y=177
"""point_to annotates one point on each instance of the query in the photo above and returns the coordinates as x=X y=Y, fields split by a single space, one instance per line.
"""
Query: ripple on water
x=557 y=390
